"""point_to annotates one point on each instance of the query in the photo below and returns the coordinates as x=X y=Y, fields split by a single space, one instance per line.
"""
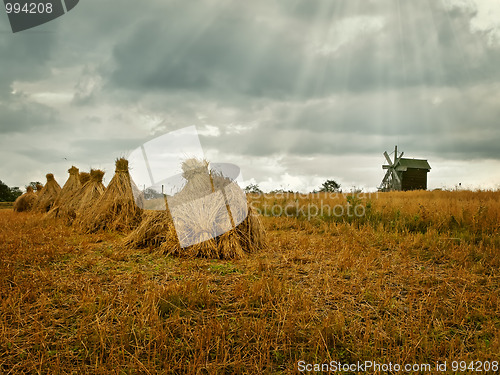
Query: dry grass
x=382 y=289
x=465 y=215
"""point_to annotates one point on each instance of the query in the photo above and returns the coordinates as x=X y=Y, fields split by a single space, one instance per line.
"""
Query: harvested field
x=416 y=280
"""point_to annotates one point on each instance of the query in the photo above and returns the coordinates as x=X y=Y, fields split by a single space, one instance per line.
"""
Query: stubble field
x=413 y=279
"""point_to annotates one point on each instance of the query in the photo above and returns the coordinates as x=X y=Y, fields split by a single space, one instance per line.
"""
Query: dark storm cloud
x=225 y=54
x=76 y=150
x=24 y=56
x=39 y=154
x=416 y=111
x=20 y=116
x=231 y=50
x=432 y=120
x=109 y=146
x=288 y=78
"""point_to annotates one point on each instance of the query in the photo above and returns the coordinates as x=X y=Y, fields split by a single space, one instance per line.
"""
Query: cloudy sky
x=292 y=91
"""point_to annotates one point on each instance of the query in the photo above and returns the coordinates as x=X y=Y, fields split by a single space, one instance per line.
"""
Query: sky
x=294 y=92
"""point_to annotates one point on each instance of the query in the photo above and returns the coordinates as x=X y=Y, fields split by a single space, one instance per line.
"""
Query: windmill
x=392 y=179
x=404 y=174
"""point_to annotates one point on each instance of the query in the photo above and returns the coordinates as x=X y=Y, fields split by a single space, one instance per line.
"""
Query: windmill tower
x=404 y=174
x=392 y=178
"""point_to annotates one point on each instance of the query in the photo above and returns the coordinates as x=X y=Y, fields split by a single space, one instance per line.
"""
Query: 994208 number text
x=28 y=8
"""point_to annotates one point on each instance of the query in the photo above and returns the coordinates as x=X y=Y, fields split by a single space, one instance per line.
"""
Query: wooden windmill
x=392 y=179
x=404 y=174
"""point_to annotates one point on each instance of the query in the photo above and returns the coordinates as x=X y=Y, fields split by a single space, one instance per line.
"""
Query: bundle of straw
x=26 y=201
x=48 y=194
x=91 y=192
x=69 y=190
x=85 y=197
x=116 y=209
x=203 y=220
x=156 y=228
x=84 y=177
x=39 y=188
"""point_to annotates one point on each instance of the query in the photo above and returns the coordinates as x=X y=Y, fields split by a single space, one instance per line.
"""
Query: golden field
x=413 y=279
x=5 y=205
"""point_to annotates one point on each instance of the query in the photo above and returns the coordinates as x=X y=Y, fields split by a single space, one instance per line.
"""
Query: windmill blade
x=395 y=175
x=385 y=182
x=386 y=177
x=387 y=157
x=398 y=159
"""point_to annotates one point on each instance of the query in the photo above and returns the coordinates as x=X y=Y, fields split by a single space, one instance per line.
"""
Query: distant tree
x=253 y=188
x=4 y=192
x=282 y=191
x=330 y=186
x=8 y=194
x=33 y=184
x=15 y=192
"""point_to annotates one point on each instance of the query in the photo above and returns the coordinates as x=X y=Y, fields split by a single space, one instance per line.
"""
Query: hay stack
x=85 y=197
x=84 y=177
x=91 y=192
x=39 y=188
x=157 y=227
x=116 y=209
x=48 y=194
x=198 y=180
x=26 y=201
x=69 y=190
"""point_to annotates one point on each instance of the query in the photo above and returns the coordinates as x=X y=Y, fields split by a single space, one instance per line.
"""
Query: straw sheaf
x=200 y=221
x=194 y=167
x=26 y=201
x=85 y=196
x=69 y=190
x=116 y=209
x=39 y=188
x=248 y=237
x=91 y=192
x=48 y=194
x=84 y=177
x=199 y=183
x=155 y=229
x=121 y=165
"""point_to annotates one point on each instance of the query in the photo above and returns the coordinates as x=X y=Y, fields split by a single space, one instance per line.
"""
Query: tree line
x=329 y=186
x=8 y=194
